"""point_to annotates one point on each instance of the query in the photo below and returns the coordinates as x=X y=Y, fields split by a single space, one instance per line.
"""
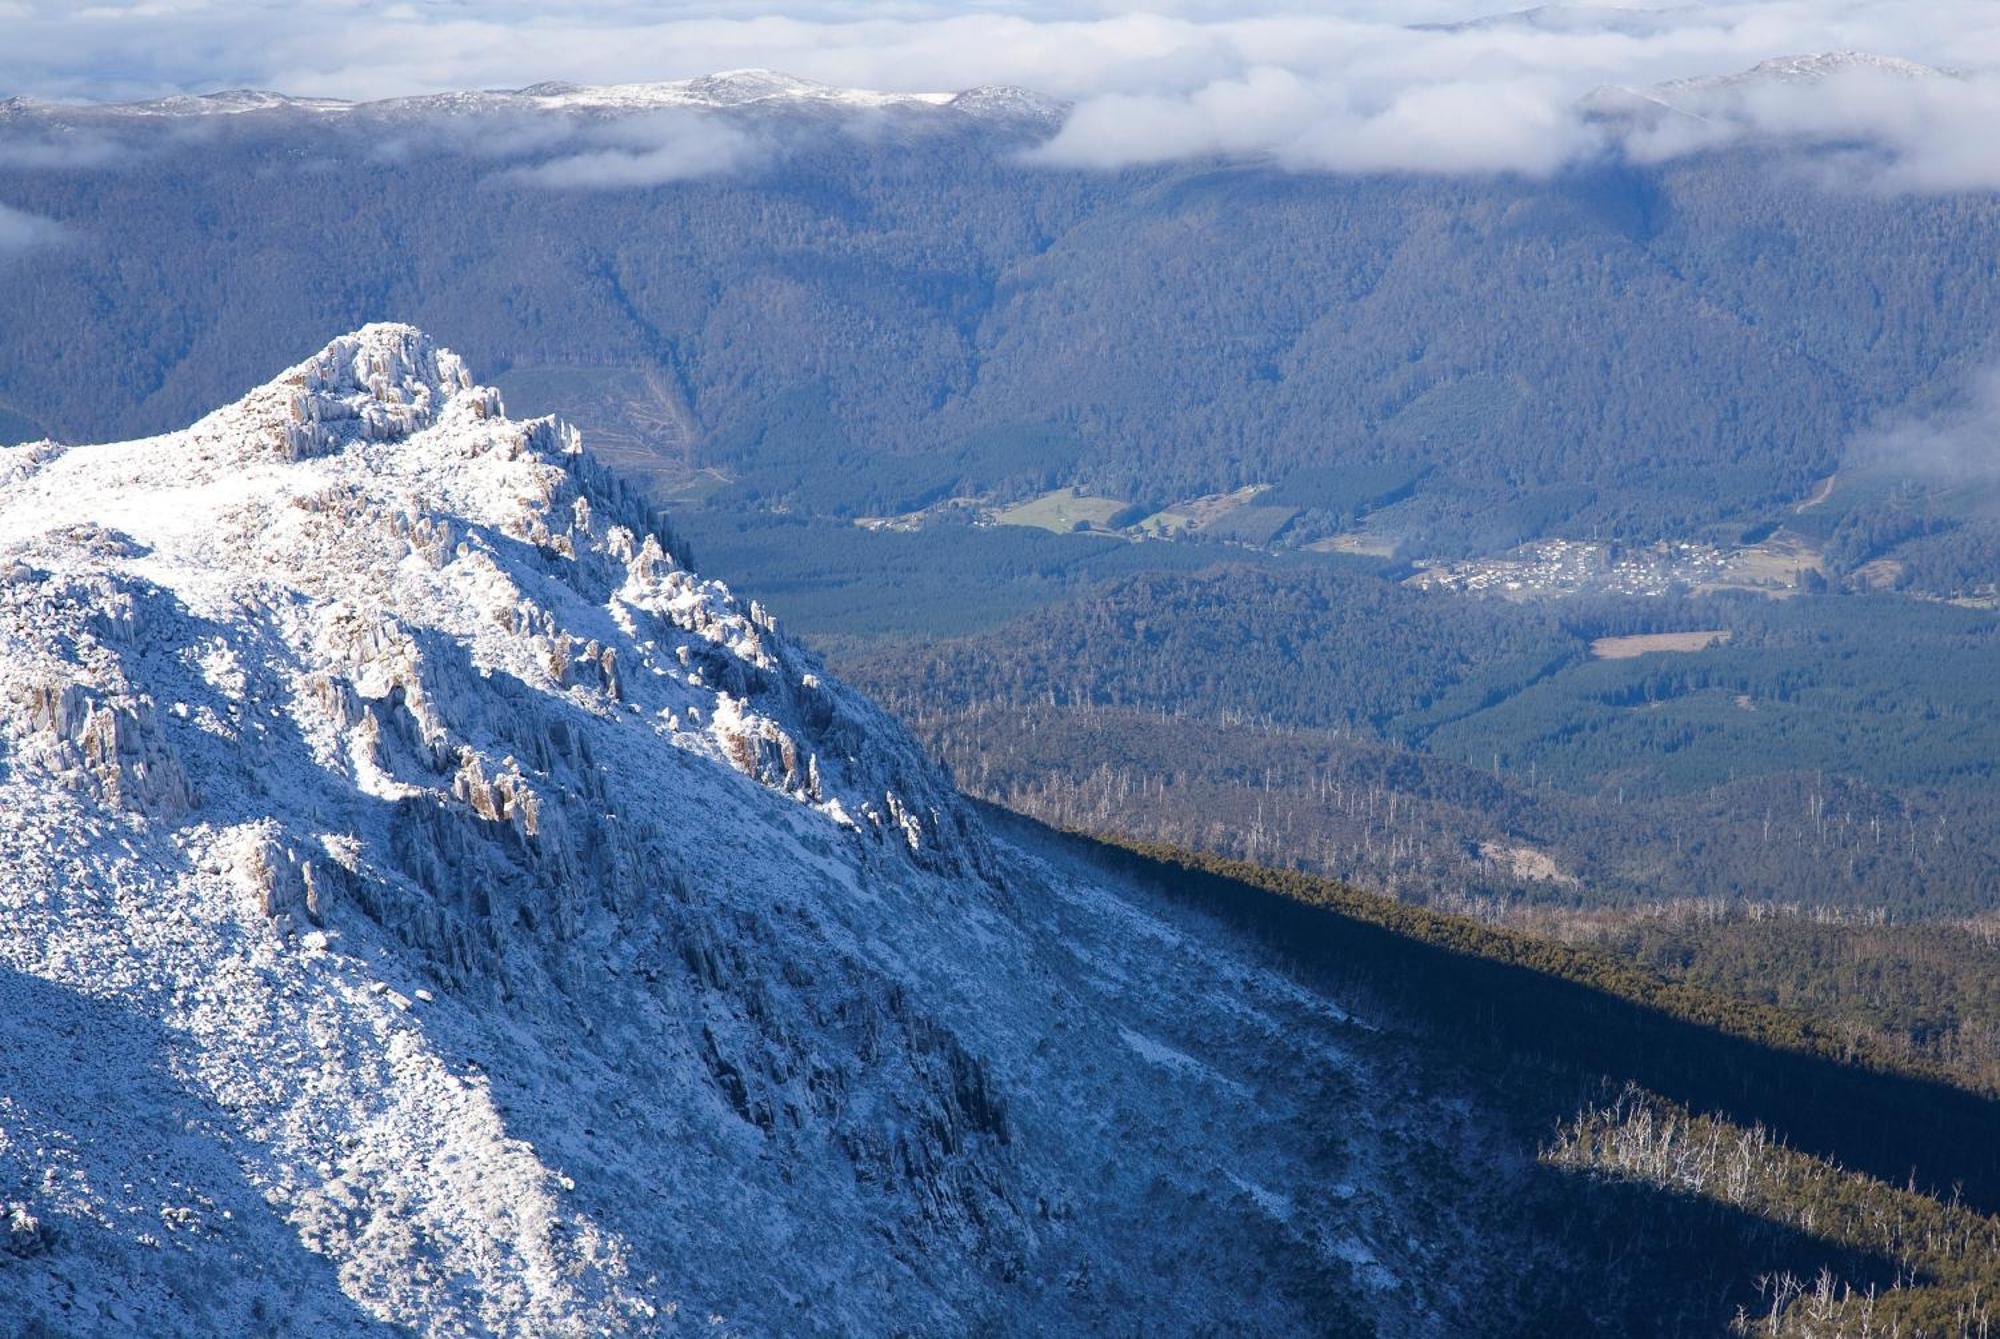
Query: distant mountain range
x=764 y=90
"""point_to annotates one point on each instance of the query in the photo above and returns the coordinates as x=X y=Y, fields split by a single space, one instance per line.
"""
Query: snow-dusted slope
x=423 y=901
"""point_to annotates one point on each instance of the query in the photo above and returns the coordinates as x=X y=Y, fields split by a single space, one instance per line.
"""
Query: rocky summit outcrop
x=426 y=902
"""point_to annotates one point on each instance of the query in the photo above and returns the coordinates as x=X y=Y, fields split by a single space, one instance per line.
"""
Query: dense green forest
x=1886 y=690
x=1926 y=990
x=1838 y=750
x=1436 y=831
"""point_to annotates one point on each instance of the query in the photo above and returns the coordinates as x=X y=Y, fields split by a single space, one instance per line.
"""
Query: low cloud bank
x=1929 y=130
x=1355 y=86
x=646 y=151
x=1523 y=126
x=64 y=152
x=21 y=231
x=1959 y=444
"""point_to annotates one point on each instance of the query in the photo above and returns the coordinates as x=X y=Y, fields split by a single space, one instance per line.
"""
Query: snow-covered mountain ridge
x=1804 y=79
x=426 y=902
x=424 y=485
x=729 y=90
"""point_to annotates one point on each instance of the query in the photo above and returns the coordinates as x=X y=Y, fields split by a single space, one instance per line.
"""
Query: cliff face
x=427 y=902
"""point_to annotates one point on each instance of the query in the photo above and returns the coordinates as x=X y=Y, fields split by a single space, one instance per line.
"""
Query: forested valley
x=1802 y=815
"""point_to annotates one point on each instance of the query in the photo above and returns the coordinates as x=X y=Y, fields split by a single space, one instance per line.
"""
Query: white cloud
x=58 y=151
x=1260 y=112
x=21 y=231
x=1460 y=127
x=1353 y=85
x=1270 y=112
x=1955 y=445
x=495 y=136
x=646 y=151
x=1929 y=132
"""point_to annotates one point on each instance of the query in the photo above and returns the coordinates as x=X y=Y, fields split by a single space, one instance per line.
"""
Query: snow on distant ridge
x=1706 y=95
x=1812 y=68
x=749 y=89
x=1579 y=19
x=234 y=102
x=732 y=88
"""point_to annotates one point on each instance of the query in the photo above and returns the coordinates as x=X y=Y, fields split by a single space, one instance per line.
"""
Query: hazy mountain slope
x=427 y=903
x=853 y=310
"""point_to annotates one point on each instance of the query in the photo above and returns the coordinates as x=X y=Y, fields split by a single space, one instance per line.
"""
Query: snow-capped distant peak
x=1813 y=68
x=1822 y=64
x=1701 y=98
x=1629 y=22
x=1009 y=100
x=230 y=102
x=729 y=90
